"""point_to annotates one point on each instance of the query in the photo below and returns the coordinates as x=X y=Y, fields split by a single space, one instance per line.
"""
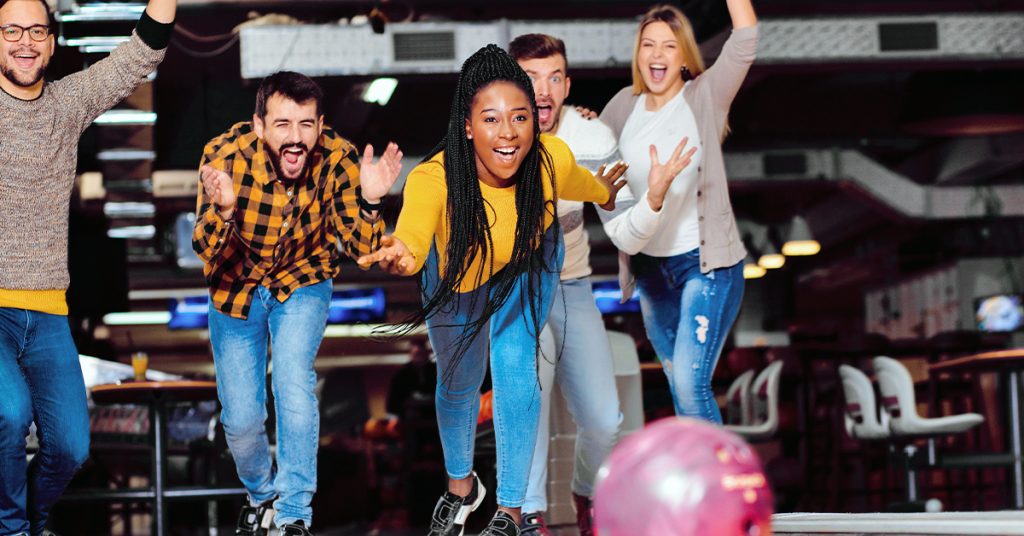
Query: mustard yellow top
x=46 y=301
x=424 y=215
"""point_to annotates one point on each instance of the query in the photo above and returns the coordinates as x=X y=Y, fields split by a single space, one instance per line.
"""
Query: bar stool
x=861 y=416
x=900 y=405
x=737 y=400
x=765 y=391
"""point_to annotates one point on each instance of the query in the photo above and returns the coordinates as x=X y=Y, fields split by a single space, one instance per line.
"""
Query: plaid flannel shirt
x=282 y=237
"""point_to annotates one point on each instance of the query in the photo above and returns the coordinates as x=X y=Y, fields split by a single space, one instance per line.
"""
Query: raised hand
x=220 y=188
x=609 y=180
x=662 y=175
x=587 y=113
x=377 y=179
x=393 y=255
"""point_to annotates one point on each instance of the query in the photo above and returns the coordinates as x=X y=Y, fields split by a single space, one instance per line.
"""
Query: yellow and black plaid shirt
x=283 y=237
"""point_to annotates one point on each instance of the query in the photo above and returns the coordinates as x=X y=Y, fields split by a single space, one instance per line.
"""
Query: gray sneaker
x=451 y=511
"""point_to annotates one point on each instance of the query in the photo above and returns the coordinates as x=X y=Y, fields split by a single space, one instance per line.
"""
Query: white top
x=593 y=144
x=678 y=231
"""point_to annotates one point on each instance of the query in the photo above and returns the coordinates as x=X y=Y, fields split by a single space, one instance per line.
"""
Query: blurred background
x=876 y=168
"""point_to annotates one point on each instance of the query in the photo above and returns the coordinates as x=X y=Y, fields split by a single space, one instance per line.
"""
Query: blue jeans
x=512 y=338
x=688 y=315
x=40 y=380
x=575 y=331
x=295 y=329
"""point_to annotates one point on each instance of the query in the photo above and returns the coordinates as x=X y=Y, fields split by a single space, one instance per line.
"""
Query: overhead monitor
x=351 y=306
x=608 y=296
x=1000 y=313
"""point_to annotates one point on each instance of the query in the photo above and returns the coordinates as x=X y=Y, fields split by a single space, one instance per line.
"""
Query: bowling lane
x=965 y=523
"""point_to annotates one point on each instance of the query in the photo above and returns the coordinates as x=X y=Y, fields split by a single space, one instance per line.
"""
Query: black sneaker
x=295 y=529
x=255 y=520
x=451 y=511
x=501 y=524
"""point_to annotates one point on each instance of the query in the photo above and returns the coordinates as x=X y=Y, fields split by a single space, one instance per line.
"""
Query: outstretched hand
x=376 y=179
x=612 y=182
x=220 y=189
x=661 y=176
x=393 y=255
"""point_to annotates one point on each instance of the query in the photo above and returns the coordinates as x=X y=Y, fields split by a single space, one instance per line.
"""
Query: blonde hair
x=688 y=47
x=683 y=31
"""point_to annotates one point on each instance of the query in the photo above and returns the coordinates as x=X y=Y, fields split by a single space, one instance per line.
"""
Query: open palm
x=377 y=179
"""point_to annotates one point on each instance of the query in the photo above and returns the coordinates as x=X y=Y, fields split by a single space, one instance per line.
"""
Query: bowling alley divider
x=918 y=524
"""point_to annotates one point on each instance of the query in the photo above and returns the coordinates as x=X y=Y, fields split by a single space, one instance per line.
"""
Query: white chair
x=897 y=388
x=861 y=415
x=626 y=363
x=900 y=405
x=737 y=400
x=765 y=392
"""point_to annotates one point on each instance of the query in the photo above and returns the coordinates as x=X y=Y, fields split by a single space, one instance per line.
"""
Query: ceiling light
x=770 y=257
x=126 y=117
x=750 y=268
x=143 y=232
x=800 y=242
x=142 y=318
x=380 y=90
x=129 y=210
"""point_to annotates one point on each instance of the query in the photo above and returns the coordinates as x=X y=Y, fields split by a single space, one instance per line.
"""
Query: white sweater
x=593 y=144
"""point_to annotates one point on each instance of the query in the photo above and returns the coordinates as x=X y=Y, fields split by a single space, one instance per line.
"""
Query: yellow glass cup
x=140 y=362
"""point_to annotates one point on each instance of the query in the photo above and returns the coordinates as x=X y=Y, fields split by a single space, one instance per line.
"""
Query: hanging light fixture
x=750 y=268
x=770 y=258
x=800 y=242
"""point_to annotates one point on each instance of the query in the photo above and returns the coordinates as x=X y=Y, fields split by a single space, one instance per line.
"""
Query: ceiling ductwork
x=420 y=47
x=882 y=190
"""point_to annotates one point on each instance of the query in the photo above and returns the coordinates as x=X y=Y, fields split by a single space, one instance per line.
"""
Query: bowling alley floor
x=1006 y=523
x=962 y=523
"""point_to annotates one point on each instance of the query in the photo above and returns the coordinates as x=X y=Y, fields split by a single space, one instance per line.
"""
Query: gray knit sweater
x=38 y=155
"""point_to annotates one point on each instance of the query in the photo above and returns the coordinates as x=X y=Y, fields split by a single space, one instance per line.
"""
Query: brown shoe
x=584 y=514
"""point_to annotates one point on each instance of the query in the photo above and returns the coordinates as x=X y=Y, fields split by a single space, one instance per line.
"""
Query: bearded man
x=283 y=198
x=40 y=124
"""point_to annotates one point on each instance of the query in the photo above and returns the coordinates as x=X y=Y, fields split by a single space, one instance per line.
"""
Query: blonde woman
x=689 y=270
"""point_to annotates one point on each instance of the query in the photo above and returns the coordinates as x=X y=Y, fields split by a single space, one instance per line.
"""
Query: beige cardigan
x=709 y=95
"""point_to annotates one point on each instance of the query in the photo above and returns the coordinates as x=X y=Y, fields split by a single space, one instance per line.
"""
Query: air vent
x=785 y=164
x=908 y=37
x=424 y=46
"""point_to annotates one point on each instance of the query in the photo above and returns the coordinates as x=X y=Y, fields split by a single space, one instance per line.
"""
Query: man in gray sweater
x=40 y=123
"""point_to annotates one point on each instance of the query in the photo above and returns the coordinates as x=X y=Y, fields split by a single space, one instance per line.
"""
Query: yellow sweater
x=46 y=301
x=424 y=215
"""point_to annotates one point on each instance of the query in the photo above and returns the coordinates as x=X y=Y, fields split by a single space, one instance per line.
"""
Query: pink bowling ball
x=682 y=477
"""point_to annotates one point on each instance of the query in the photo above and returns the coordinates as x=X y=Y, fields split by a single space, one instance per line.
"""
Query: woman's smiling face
x=660 y=58
x=500 y=124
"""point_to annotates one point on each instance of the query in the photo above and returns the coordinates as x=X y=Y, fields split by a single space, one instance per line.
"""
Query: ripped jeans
x=688 y=316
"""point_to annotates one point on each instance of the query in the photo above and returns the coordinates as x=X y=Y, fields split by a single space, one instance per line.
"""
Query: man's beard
x=10 y=72
x=275 y=161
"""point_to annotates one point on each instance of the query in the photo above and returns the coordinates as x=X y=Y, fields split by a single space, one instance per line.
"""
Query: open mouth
x=544 y=112
x=506 y=155
x=25 y=61
x=658 y=72
x=293 y=159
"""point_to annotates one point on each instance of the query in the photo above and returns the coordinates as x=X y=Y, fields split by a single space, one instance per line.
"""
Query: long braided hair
x=469 y=232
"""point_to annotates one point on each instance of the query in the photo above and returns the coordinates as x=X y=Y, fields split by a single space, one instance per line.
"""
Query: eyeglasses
x=13 y=32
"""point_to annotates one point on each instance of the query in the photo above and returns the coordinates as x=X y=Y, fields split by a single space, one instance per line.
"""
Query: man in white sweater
x=582 y=360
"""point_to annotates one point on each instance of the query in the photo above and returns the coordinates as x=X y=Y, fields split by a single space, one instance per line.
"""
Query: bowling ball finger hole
x=750 y=528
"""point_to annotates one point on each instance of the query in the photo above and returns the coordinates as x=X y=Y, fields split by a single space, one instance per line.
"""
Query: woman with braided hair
x=479 y=220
